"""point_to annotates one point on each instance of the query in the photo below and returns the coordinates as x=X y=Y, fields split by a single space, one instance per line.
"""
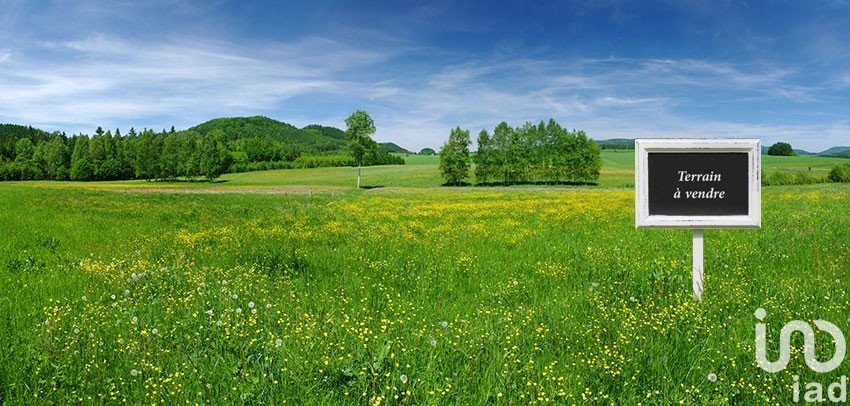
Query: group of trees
x=781 y=149
x=113 y=156
x=542 y=153
x=205 y=151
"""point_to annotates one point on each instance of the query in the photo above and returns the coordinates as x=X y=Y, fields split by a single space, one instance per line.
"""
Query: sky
x=776 y=70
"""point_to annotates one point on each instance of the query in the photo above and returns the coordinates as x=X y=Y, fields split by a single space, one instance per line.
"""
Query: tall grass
x=402 y=296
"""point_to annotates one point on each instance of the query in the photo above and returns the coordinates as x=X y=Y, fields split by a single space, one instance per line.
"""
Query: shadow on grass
x=559 y=183
x=367 y=187
x=217 y=181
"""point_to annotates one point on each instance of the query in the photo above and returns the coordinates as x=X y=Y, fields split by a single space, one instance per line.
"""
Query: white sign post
x=697 y=184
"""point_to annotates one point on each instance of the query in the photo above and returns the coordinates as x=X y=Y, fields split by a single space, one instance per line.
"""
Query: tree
x=781 y=149
x=501 y=145
x=484 y=158
x=81 y=166
x=427 y=151
x=147 y=156
x=358 y=133
x=24 y=149
x=454 y=157
x=214 y=156
x=57 y=159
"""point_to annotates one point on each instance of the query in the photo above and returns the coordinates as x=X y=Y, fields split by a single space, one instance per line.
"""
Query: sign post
x=697 y=184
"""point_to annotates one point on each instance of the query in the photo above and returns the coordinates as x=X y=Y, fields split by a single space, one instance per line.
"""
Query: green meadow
x=293 y=287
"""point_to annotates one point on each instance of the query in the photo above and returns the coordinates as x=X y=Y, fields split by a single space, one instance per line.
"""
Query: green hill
x=311 y=137
x=332 y=132
x=392 y=148
x=11 y=133
x=838 y=152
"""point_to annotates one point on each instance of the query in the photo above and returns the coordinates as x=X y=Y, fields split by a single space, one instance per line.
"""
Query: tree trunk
x=359 y=166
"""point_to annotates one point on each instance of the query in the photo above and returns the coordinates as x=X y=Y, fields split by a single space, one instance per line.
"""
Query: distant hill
x=311 y=137
x=332 y=132
x=841 y=152
x=11 y=133
x=392 y=148
x=616 y=143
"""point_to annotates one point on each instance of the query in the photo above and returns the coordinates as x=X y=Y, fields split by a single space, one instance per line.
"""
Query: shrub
x=840 y=173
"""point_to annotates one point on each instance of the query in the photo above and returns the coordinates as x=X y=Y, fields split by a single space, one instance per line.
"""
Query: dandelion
x=433 y=342
x=712 y=377
x=134 y=372
x=209 y=312
x=126 y=292
x=268 y=305
x=278 y=342
x=444 y=324
x=253 y=311
x=218 y=323
x=250 y=305
x=403 y=378
x=235 y=296
x=239 y=310
x=76 y=331
x=154 y=331
x=134 y=320
x=85 y=298
x=112 y=297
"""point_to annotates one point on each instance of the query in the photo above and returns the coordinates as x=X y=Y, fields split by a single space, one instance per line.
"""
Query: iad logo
x=808 y=349
x=836 y=391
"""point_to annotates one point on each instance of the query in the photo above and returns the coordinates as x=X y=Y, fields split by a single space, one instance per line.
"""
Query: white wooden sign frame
x=643 y=147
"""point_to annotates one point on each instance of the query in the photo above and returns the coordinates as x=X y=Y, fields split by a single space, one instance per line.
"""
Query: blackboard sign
x=693 y=184
x=697 y=183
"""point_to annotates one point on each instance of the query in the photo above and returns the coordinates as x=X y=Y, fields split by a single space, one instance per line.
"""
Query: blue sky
x=773 y=70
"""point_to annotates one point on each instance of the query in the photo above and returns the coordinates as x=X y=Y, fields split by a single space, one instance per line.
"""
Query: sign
x=698 y=184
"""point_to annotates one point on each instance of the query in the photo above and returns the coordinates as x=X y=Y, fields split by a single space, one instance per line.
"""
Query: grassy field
x=292 y=287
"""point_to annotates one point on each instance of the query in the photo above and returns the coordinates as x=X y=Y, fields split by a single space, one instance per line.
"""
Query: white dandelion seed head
x=444 y=324
x=218 y=323
x=433 y=342
x=403 y=378
x=253 y=311
x=76 y=331
x=134 y=372
x=278 y=342
x=235 y=296
x=712 y=377
x=126 y=292
x=268 y=305
x=239 y=310
x=154 y=331
x=85 y=298
x=112 y=297
x=251 y=305
x=209 y=312
x=134 y=320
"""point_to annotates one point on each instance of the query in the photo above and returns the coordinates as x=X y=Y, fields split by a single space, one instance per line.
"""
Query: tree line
x=541 y=153
x=203 y=152
x=105 y=155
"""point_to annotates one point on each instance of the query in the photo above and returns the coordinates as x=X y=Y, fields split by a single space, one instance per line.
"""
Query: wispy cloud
x=107 y=79
x=94 y=64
